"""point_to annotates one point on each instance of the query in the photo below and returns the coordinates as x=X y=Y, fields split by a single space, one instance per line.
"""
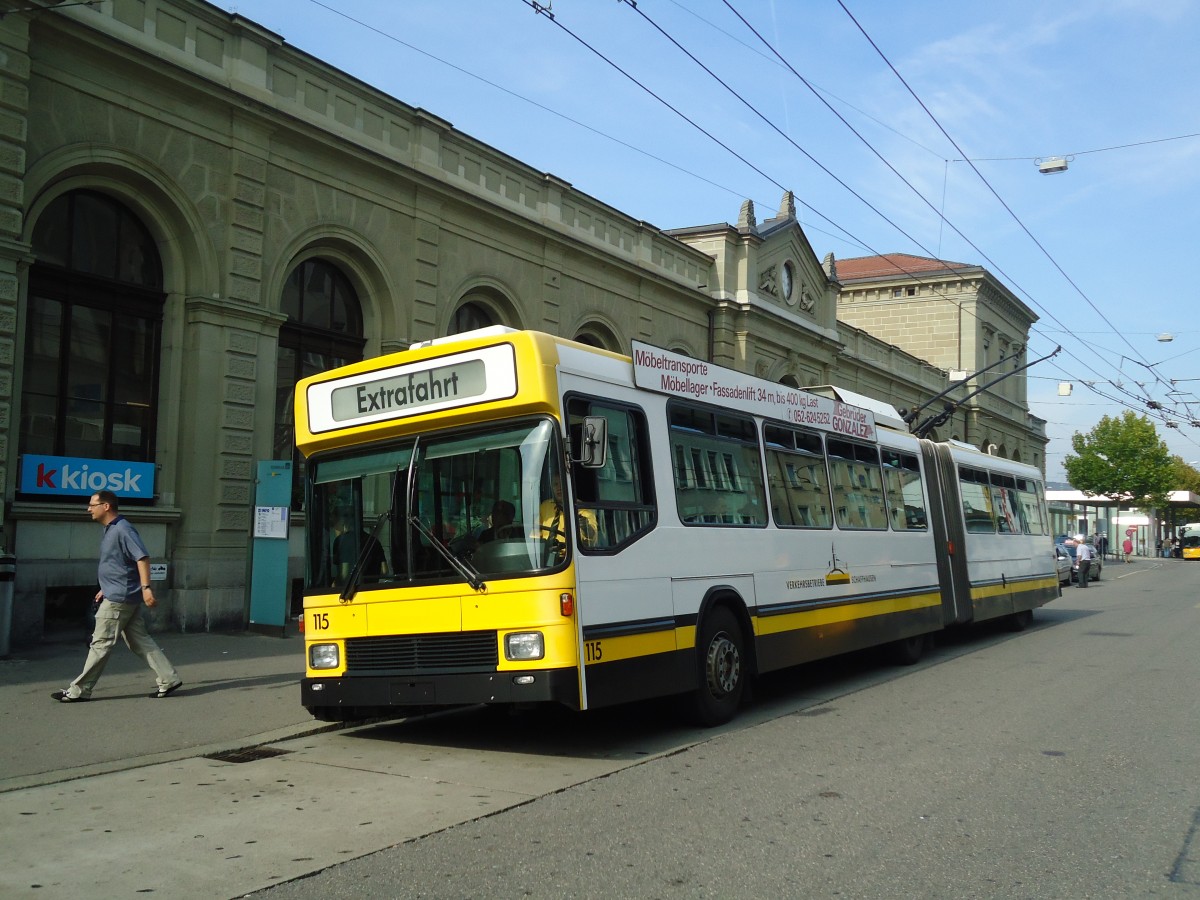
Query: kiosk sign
x=73 y=476
x=664 y=372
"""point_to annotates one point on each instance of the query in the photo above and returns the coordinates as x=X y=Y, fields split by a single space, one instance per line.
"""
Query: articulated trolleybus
x=510 y=517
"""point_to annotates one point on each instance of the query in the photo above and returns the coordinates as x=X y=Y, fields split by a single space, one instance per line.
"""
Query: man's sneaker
x=64 y=697
x=166 y=692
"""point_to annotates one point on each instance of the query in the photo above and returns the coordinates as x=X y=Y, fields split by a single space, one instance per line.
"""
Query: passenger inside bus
x=553 y=517
x=346 y=547
x=500 y=523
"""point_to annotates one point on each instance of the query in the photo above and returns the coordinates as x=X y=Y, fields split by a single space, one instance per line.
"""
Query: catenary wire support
x=942 y=417
x=910 y=415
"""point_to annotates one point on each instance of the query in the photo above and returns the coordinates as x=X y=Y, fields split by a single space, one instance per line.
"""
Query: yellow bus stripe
x=846 y=613
x=615 y=649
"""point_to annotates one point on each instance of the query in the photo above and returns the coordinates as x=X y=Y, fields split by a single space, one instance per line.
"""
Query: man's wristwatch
x=146 y=587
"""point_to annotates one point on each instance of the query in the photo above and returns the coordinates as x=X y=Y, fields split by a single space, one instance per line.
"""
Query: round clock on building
x=786 y=282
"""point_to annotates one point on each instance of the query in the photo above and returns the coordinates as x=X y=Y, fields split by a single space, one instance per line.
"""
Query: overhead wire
x=542 y=10
x=848 y=235
x=499 y=87
x=1074 y=153
x=1148 y=399
x=724 y=84
x=974 y=168
x=909 y=184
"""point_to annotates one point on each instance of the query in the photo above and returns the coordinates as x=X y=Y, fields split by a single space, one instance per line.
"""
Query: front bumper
x=375 y=695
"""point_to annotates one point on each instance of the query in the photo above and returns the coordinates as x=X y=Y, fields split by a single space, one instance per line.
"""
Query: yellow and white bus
x=510 y=517
x=1189 y=540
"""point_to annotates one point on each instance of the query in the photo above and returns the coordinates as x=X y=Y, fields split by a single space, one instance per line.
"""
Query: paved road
x=1060 y=763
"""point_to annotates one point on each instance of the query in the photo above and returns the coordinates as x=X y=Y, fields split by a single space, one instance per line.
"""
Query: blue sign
x=72 y=476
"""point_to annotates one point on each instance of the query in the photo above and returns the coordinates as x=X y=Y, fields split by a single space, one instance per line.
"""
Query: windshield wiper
x=369 y=544
x=470 y=574
x=356 y=571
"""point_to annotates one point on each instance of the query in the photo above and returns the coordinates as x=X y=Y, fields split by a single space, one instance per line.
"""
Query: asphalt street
x=1026 y=785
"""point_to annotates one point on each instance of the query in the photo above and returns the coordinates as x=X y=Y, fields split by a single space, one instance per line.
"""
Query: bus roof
x=885 y=413
x=498 y=371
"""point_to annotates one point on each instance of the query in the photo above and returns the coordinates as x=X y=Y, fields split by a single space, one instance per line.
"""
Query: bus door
x=949 y=534
x=623 y=604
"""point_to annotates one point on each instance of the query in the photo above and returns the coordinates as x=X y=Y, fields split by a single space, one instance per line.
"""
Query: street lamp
x=1052 y=164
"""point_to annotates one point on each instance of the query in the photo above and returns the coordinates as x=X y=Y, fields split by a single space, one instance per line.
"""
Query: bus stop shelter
x=1072 y=512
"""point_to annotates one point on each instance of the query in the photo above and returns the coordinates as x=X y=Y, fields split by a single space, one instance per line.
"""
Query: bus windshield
x=492 y=498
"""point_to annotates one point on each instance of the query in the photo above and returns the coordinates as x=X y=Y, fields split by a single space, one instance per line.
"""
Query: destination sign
x=432 y=385
x=406 y=391
x=681 y=376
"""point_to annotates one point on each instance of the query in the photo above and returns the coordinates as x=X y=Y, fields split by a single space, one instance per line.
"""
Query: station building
x=194 y=215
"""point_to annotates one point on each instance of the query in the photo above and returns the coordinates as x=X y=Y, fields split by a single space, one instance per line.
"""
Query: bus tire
x=1019 y=621
x=907 y=651
x=721 y=660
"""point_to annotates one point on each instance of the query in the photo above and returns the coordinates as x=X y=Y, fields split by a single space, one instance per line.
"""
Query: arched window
x=324 y=330
x=597 y=334
x=92 y=333
x=471 y=316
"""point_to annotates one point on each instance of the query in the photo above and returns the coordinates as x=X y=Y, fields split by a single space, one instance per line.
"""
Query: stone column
x=14 y=253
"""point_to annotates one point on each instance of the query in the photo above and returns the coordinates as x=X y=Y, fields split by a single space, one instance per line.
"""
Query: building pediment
x=789 y=274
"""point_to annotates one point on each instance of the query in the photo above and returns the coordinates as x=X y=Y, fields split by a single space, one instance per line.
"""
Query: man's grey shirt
x=120 y=549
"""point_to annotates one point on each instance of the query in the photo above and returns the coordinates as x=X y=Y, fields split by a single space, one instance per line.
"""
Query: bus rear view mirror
x=593 y=443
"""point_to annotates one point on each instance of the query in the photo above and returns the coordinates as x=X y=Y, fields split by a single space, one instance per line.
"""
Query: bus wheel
x=1019 y=621
x=722 y=673
x=907 y=651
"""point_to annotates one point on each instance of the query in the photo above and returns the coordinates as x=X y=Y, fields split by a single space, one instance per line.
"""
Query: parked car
x=1065 y=563
x=1093 y=572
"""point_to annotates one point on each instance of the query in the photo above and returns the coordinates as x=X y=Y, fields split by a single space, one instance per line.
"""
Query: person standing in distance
x=124 y=576
x=1084 y=553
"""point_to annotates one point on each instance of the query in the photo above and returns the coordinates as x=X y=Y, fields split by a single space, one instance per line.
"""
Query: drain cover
x=250 y=754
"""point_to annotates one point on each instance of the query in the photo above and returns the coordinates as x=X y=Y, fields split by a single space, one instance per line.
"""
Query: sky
x=913 y=127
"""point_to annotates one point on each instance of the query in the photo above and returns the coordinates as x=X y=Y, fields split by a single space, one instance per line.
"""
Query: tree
x=1183 y=476
x=1123 y=459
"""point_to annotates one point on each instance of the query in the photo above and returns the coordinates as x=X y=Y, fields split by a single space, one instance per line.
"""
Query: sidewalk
x=239 y=690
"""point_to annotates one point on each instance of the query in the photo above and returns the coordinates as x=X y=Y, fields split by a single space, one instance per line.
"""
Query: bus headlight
x=323 y=656
x=524 y=645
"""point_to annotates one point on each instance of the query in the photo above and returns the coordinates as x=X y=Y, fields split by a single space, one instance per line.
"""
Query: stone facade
x=244 y=158
x=959 y=318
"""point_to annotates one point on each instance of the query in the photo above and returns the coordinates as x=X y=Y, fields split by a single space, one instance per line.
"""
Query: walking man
x=124 y=576
x=1084 y=553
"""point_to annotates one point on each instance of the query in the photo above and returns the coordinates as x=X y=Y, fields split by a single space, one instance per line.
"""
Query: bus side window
x=717 y=468
x=857 y=485
x=976 y=493
x=906 y=503
x=614 y=504
x=1029 y=508
x=796 y=478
